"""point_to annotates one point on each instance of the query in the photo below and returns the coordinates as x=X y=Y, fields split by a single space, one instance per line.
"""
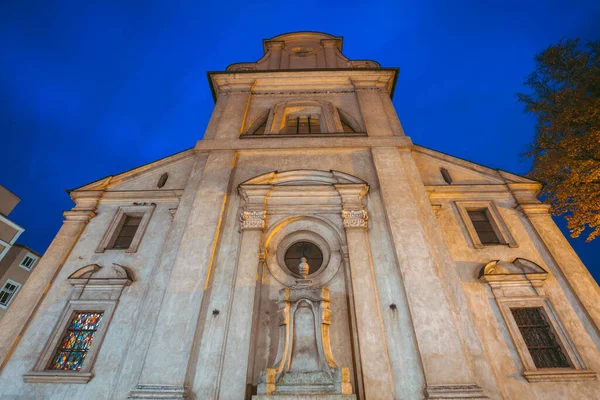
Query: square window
x=8 y=292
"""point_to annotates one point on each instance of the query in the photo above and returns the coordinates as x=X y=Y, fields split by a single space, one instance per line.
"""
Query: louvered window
x=483 y=226
x=127 y=232
x=540 y=338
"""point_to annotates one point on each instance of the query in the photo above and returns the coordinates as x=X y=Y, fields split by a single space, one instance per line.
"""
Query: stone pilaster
x=448 y=373
x=371 y=107
x=374 y=358
x=166 y=363
x=275 y=47
x=230 y=124
x=13 y=323
x=329 y=47
x=234 y=372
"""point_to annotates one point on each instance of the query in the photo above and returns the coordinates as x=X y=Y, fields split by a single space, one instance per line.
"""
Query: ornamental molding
x=355 y=218
x=252 y=219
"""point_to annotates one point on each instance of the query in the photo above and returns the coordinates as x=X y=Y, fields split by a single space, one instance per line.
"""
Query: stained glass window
x=540 y=338
x=76 y=342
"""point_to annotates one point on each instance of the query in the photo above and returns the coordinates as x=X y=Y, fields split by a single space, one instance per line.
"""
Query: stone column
x=166 y=363
x=233 y=377
x=329 y=46
x=375 y=366
x=275 y=48
x=573 y=270
x=446 y=366
x=371 y=107
x=15 y=321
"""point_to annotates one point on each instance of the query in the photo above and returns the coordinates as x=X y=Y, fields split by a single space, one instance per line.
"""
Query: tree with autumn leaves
x=565 y=97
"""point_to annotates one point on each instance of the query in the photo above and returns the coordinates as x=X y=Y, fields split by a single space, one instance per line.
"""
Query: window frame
x=14 y=294
x=494 y=217
x=562 y=337
x=95 y=289
x=520 y=284
x=30 y=255
x=145 y=211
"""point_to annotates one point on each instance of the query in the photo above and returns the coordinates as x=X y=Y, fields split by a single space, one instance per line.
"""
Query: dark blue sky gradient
x=89 y=89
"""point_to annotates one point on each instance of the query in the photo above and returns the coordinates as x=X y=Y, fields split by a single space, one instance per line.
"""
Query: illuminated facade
x=306 y=248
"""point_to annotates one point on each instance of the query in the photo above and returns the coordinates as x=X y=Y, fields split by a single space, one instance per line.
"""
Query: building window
x=8 y=292
x=483 y=226
x=306 y=124
x=123 y=240
x=28 y=261
x=126 y=229
x=346 y=128
x=72 y=348
x=540 y=338
x=76 y=342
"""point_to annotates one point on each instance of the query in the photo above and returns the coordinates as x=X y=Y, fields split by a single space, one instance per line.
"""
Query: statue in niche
x=304 y=364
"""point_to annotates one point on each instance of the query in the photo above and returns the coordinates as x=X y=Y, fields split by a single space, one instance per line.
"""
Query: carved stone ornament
x=304 y=365
x=252 y=219
x=355 y=218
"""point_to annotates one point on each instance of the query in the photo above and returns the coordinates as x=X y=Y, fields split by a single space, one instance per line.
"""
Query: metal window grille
x=483 y=227
x=301 y=125
x=540 y=338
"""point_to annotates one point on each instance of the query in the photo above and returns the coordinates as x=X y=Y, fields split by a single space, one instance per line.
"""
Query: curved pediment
x=303 y=50
x=304 y=177
x=94 y=273
x=520 y=266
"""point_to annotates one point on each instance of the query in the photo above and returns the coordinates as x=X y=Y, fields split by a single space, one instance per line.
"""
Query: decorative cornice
x=252 y=219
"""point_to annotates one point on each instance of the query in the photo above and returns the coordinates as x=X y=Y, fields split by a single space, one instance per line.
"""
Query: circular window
x=308 y=250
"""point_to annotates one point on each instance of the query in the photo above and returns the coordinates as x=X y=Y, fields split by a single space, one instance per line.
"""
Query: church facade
x=305 y=248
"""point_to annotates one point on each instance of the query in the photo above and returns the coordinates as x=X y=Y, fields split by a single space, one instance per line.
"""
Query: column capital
x=274 y=44
x=78 y=215
x=238 y=87
x=378 y=84
x=330 y=43
x=252 y=220
x=535 y=209
x=355 y=218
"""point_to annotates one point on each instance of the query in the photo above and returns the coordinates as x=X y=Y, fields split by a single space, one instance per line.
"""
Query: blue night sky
x=89 y=89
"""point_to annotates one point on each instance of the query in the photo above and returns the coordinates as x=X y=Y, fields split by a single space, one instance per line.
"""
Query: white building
x=305 y=248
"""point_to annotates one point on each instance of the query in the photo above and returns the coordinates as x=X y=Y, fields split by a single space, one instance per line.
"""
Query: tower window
x=483 y=226
x=127 y=232
x=540 y=338
x=303 y=125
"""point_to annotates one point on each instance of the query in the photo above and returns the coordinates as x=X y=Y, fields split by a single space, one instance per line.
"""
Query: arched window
x=260 y=130
x=303 y=124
